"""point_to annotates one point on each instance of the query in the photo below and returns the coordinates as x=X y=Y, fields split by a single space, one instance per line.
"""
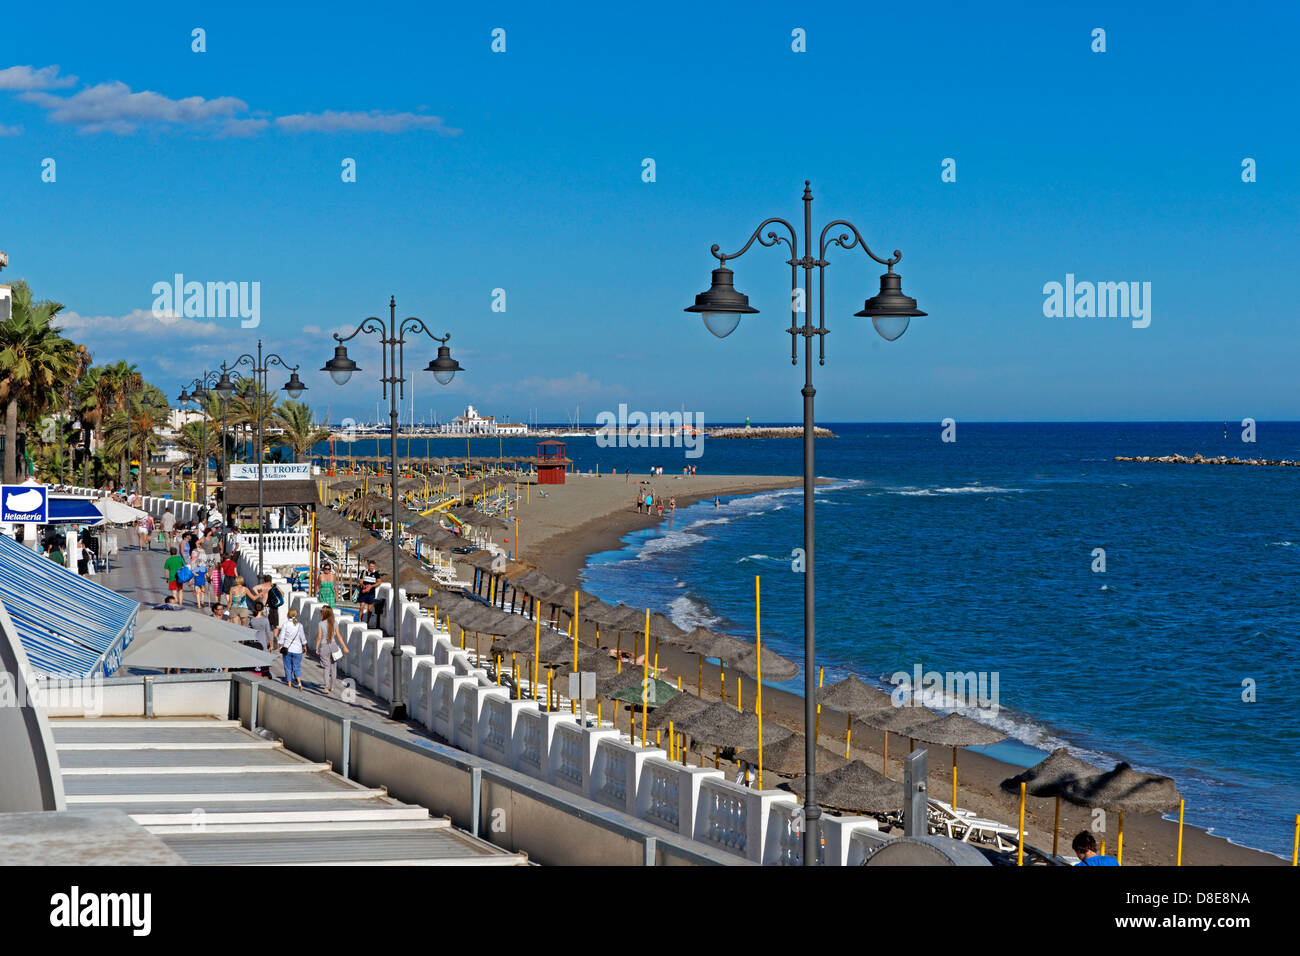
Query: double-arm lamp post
x=890 y=311
x=259 y=366
x=199 y=395
x=444 y=368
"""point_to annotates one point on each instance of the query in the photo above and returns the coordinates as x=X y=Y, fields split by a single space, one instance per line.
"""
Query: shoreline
x=1148 y=840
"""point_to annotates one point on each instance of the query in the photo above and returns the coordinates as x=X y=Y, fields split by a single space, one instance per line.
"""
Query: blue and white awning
x=69 y=625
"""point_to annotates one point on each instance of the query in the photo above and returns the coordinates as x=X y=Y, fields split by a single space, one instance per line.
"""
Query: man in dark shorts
x=366 y=599
x=173 y=564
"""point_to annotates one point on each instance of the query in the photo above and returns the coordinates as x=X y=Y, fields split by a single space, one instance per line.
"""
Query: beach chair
x=964 y=825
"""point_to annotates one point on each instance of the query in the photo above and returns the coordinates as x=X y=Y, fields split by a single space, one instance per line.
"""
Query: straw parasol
x=854 y=788
x=720 y=725
x=1045 y=778
x=1123 y=790
x=956 y=731
x=786 y=757
x=682 y=706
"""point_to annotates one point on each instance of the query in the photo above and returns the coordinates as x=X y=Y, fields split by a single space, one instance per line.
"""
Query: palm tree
x=301 y=434
x=190 y=439
x=36 y=362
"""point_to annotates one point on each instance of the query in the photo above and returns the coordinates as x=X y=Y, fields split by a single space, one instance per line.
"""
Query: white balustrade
x=668 y=793
x=616 y=772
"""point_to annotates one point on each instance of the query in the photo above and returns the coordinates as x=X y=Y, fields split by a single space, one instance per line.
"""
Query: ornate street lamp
x=444 y=368
x=259 y=366
x=722 y=307
x=199 y=396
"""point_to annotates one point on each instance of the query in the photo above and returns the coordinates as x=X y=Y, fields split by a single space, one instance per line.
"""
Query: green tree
x=36 y=364
x=294 y=419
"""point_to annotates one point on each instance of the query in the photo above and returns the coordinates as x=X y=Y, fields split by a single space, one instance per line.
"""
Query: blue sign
x=24 y=504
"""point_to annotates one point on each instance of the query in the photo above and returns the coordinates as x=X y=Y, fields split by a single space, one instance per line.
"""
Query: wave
x=687 y=613
x=964 y=490
x=1281 y=544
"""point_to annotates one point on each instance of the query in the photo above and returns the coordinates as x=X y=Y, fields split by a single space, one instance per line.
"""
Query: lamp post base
x=397 y=712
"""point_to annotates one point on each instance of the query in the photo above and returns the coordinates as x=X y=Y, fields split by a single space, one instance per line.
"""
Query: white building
x=472 y=423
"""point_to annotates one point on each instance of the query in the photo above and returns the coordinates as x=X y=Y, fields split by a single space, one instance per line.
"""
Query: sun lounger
x=964 y=825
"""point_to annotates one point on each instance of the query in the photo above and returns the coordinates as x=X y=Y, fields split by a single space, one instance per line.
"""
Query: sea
x=1143 y=612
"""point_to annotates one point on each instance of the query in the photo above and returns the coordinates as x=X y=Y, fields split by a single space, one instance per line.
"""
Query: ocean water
x=978 y=555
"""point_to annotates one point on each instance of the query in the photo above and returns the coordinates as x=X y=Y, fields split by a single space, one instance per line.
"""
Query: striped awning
x=69 y=625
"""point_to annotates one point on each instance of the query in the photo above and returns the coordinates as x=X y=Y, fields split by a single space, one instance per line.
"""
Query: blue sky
x=522 y=171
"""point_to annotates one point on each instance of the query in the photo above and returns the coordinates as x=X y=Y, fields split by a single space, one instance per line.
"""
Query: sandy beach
x=588 y=515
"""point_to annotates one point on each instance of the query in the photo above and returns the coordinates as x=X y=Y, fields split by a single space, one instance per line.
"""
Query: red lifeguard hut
x=551 y=462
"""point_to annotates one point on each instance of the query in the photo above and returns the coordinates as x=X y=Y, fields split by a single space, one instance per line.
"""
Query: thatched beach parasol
x=786 y=758
x=1045 y=778
x=854 y=788
x=1124 y=790
x=956 y=731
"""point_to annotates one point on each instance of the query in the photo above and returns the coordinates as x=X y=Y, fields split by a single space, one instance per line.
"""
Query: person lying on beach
x=625 y=656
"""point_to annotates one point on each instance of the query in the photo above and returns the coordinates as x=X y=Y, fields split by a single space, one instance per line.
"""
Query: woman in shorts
x=241 y=600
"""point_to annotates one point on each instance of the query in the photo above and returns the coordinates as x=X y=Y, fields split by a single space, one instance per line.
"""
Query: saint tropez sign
x=24 y=504
x=293 y=472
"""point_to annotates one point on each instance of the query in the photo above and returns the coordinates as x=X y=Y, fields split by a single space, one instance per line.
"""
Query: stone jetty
x=1221 y=460
x=784 y=431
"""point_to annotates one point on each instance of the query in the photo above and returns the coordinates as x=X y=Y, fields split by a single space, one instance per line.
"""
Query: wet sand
x=589 y=515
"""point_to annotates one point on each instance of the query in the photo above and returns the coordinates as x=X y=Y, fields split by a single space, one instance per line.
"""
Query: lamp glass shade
x=722 y=306
x=444 y=367
x=225 y=387
x=721 y=324
x=295 y=386
x=340 y=366
x=891 y=327
x=183 y=397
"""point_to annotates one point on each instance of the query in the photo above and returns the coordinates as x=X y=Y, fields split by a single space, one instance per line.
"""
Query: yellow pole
x=599 y=717
x=722 y=678
x=1020 y=835
x=573 y=704
x=848 y=732
x=537 y=651
x=1056 y=828
x=817 y=724
x=462 y=638
x=1119 y=852
x=549 y=672
x=954 y=778
x=575 y=629
x=739 y=709
x=672 y=743
x=758 y=679
x=619 y=660
x=1179 y=860
x=1295 y=843
x=498 y=668
x=514 y=672
x=1103 y=847
x=645 y=688
x=679 y=681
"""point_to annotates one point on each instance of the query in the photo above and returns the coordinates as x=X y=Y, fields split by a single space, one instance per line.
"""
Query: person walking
x=326 y=588
x=242 y=600
x=229 y=572
x=171 y=568
x=293 y=642
x=168 y=522
x=330 y=647
x=199 y=579
x=142 y=534
x=261 y=627
x=273 y=598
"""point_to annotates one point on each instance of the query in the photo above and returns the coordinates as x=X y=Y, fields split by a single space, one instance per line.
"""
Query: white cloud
x=23 y=78
x=136 y=327
x=579 y=385
x=112 y=107
x=10 y=130
x=374 y=121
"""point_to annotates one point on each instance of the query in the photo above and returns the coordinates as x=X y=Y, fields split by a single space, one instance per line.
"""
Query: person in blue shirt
x=1085 y=848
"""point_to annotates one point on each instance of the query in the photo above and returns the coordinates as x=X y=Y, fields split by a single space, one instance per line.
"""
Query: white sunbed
x=964 y=825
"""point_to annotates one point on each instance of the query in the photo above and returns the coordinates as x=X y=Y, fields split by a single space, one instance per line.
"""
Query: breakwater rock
x=785 y=431
x=1220 y=460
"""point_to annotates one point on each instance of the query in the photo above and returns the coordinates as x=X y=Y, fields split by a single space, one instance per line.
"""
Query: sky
x=524 y=171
